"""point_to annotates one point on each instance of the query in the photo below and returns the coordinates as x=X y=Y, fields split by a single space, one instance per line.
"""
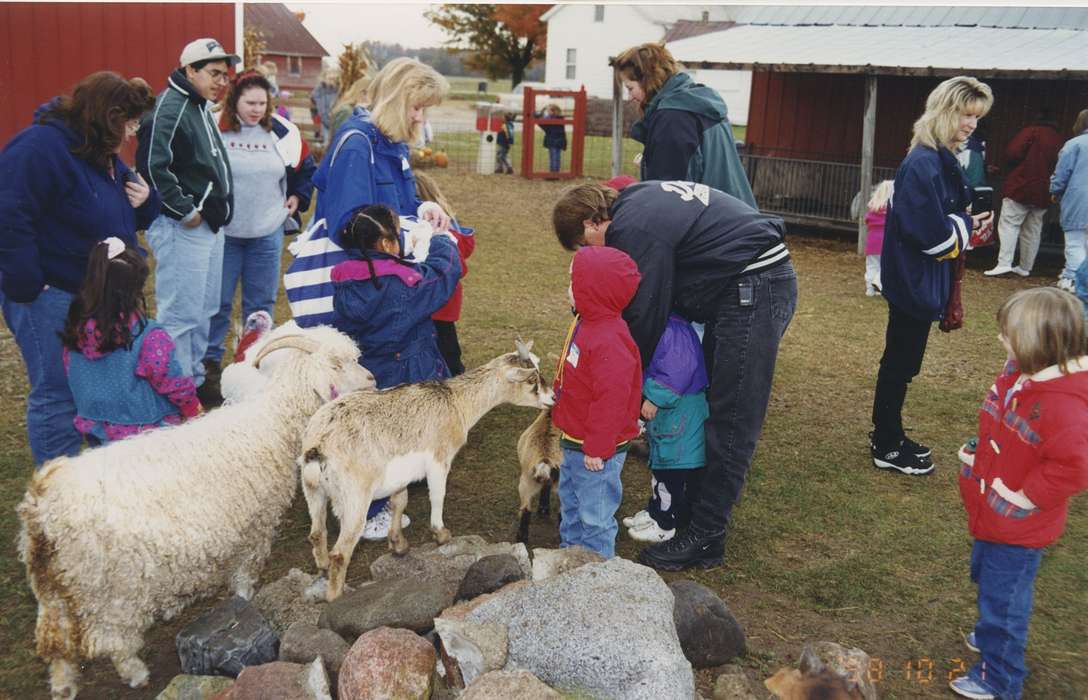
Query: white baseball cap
x=206 y=49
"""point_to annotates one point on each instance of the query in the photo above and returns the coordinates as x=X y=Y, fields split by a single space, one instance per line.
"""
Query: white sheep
x=137 y=529
x=372 y=444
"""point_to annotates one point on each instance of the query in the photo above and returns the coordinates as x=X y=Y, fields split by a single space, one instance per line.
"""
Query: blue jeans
x=1074 y=252
x=50 y=408
x=1005 y=575
x=588 y=501
x=1082 y=284
x=257 y=262
x=555 y=158
x=740 y=346
x=188 y=273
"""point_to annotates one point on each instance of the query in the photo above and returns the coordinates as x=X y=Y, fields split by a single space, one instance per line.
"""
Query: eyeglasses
x=218 y=75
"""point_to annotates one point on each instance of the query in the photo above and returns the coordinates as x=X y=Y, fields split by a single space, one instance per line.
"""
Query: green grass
x=822 y=547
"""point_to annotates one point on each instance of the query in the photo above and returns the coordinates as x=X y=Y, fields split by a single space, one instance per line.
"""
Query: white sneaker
x=377 y=528
x=650 y=533
x=638 y=520
x=1066 y=284
x=1021 y=271
x=998 y=270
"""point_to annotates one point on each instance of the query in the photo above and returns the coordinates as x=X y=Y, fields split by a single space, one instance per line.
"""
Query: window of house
x=294 y=65
x=598 y=13
x=572 y=61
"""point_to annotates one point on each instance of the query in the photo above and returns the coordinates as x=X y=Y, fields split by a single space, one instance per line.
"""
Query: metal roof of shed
x=902 y=50
x=913 y=16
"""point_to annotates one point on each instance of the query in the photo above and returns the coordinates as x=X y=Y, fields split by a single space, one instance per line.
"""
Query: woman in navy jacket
x=928 y=227
x=63 y=189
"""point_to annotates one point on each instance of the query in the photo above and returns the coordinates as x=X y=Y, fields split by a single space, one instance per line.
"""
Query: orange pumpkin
x=427 y=152
x=441 y=159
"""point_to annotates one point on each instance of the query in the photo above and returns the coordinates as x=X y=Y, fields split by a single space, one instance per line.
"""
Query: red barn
x=48 y=47
x=288 y=44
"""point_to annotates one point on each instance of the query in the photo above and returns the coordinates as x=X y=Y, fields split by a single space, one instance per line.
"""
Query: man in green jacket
x=182 y=156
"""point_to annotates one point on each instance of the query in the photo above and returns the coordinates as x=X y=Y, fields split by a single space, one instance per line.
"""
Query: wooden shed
x=288 y=44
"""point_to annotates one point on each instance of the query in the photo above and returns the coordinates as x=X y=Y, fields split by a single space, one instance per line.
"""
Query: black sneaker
x=901 y=459
x=916 y=448
x=690 y=547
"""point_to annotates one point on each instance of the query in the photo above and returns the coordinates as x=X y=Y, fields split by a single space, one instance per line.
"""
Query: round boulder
x=709 y=634
x=489 y=574
x=388 y=663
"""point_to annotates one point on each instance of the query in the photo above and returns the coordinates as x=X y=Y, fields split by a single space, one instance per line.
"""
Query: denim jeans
x=188 y=273
x=740 y=346
x=1074 y=252
x=905 y=341
x=555 y=159
x=1082 y=284
x=257 y=262
x=50 y=408
x=1005 y=575
x=588 y=501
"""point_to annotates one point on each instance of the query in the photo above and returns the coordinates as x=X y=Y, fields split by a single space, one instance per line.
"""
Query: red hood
x=603 y=280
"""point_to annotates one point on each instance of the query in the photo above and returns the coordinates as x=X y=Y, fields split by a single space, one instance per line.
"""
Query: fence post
x=578 y=137
x=617 y=125
x=528 y=126
x=868 y=139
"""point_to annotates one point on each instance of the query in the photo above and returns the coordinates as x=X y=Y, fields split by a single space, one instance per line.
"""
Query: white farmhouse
x=582 y=37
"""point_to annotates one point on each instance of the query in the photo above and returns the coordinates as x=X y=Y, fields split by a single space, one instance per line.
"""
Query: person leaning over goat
x=598 y=389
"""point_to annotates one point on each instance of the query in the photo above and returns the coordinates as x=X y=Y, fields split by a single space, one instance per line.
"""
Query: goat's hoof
x=442 y=535
x=399 y=545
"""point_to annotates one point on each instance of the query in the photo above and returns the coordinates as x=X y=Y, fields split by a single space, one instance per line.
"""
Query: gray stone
x=281 y=680
x=470 y=649
x=709 y=634
x=851 y=664
x=302 y=643
x=225 y=639
x=602 y=629
x=734 y=684
x=447 y=563
x=283 y=602
x=186 y=687
x=489 y=574
x=388 y=663
x=552 y=562
x=503 y=685
x=408 y=604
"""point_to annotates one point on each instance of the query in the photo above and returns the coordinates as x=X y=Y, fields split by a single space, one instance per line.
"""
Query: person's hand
x=594 y=464
x=1053 y=199
x=291 y=204
x=981 y=220
x=137 y=190
x=649 y=410
x=193 y=222
x=437 y=217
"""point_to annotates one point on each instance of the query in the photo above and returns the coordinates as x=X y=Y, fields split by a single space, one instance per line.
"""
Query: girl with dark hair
x=121 y=366
x=64 y=188
x=384 y=303
x=271 y=166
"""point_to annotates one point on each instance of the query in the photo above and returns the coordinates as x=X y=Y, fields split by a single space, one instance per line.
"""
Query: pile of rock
x=468 y=619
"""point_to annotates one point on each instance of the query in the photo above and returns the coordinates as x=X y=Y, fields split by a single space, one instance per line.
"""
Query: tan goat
x=539 y=456
x=372 y=444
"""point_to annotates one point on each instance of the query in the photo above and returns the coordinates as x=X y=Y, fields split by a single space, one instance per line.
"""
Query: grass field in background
x=822 y=547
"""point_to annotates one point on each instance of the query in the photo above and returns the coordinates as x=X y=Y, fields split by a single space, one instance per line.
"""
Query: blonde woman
x=928 y=227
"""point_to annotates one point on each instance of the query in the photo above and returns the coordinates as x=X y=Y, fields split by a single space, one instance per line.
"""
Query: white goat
x=138 y=529
x=372 y=444
x=539 y=456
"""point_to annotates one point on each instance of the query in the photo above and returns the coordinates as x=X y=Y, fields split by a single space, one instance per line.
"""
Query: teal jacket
x=687 y=136
x=675 y=434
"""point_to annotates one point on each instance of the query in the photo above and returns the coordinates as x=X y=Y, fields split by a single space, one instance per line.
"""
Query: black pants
x=671 y=493
x=904 y=347
x=449 y=347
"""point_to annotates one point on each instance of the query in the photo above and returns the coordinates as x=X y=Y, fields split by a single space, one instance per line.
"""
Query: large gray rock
x=283 y=602
x=388 y=663
x=709 y=634
x=186 y=687
x=470 y=649
x=302 y=643
x=225 y=639
x=447 y=563
x=603 y=629
x=281 y=680
x=552 y=562
x=504 y=685
x=489 y=574
x=407 y=604
x=851 y=664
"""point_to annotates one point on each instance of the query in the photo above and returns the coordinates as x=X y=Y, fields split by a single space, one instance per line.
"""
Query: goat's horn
x=523 y=348
x=295 y=340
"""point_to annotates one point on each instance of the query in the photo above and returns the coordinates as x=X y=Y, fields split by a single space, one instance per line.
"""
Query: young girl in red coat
x=1031 y=458
x=874 y=241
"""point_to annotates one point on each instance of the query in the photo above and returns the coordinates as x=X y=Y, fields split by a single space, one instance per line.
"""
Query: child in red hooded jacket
x=1031 y=458
x=598 y=391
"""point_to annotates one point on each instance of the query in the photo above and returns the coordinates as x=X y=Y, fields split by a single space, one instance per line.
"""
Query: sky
x=335 y=23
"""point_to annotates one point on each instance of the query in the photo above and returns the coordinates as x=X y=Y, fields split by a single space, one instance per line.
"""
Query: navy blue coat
x=55 y=206
x=927 y=228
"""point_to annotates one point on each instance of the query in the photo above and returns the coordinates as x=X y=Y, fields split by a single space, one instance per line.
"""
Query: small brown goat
x=539 y=456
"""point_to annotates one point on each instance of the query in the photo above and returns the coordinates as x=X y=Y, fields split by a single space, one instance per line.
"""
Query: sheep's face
x=522 y=370
x=349 y=375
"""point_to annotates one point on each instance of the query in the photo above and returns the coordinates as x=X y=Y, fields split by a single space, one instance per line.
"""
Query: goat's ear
x=520 y=374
